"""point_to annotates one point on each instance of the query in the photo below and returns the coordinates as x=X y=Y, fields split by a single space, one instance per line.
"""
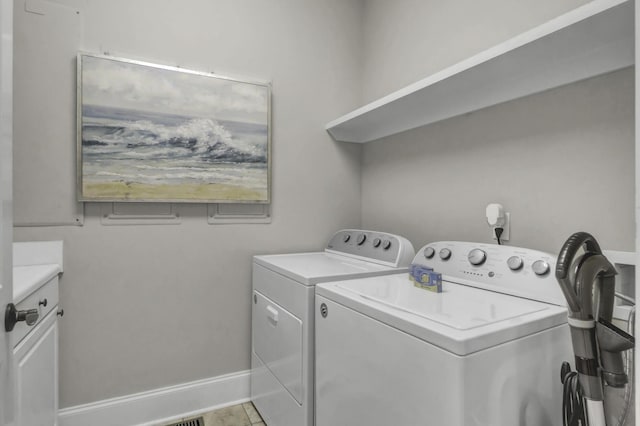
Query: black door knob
x=12 y=316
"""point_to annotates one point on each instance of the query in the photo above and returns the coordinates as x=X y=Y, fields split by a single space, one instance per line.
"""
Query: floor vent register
x=198 y=421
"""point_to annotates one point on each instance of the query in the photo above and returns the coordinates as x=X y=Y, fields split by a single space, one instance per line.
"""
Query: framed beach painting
x=151 y=133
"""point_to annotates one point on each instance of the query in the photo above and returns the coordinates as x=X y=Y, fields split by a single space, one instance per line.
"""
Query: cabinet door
x=36 y=369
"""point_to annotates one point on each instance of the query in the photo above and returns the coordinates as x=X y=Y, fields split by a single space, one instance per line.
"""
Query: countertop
x=35 y=264
x=27 y=279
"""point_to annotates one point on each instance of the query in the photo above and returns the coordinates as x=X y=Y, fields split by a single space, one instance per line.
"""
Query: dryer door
x=277 y=341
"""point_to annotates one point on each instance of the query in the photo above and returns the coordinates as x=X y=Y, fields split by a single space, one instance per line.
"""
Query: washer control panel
x=380 y=247
x=505 y=269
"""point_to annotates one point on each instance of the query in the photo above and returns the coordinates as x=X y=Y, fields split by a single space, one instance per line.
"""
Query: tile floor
x=235 y=415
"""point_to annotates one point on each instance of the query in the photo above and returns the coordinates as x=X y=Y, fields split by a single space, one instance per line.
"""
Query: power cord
x=498 y=230
x=572 y=402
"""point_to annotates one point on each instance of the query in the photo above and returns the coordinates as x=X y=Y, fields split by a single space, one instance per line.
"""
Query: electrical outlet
x=505 y=227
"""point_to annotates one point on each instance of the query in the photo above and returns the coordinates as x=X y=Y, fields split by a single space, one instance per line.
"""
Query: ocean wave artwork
x=155 y=134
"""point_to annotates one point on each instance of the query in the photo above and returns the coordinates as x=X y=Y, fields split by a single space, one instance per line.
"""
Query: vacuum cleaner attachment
x=612 y=341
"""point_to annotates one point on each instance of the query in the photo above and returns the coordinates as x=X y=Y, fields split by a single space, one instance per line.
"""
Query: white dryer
x=486 y=351
x=282 y=356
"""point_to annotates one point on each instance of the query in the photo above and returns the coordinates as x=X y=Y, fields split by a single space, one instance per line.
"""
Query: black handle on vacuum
x=569 y=250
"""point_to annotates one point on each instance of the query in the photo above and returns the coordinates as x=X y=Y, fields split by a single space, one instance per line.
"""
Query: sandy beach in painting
x=180 y=192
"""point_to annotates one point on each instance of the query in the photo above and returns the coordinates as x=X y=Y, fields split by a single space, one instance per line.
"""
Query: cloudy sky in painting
x=113 y=83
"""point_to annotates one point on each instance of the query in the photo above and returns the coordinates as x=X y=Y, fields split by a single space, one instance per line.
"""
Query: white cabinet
x=36 y=370
x=35 y=351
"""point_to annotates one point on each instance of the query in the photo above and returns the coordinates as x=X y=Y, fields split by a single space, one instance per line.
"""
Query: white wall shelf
x=591 y=40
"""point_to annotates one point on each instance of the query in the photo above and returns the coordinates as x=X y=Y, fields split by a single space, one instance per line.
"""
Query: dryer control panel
x=505 y=269
x=373 y=246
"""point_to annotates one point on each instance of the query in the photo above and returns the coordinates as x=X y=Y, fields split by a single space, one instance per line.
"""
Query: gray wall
x=152 y=306
x=560 y=161
x=407 y=40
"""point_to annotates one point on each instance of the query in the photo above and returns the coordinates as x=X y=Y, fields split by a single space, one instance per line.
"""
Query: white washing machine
x=485 y=351
x=282 y=356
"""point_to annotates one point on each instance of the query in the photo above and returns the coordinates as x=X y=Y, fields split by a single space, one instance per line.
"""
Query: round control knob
x=477 y=257
x=515 y=263
x=377 y=242
x=346 y=238
x=429 y=252
x=540 y=267
x=361 y=239
x=386 y=244
x=445 y=254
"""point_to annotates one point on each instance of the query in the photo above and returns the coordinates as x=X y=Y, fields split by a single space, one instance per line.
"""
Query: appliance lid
x=315 y=267
x=461 y=319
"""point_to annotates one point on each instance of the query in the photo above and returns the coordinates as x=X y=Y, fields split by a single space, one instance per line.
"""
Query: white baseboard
x=162 y=405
